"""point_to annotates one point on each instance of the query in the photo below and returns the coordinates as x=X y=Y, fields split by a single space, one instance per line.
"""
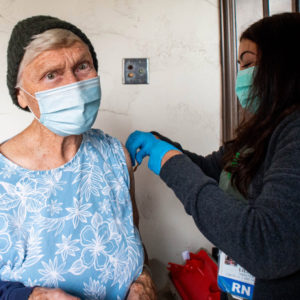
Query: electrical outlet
x=135 y=71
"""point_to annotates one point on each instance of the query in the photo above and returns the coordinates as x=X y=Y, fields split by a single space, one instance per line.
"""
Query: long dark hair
x=276 y=84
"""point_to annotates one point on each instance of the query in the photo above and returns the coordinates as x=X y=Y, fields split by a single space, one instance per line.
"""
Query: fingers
x=40 y=293
x=133 y=143
x=140 y=291
x=140 y=144
x=140 y=155
x=138 y=140
x=143 y=288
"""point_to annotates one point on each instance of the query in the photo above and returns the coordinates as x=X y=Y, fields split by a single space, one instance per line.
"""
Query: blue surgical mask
x=70 y=109
x=243 y=86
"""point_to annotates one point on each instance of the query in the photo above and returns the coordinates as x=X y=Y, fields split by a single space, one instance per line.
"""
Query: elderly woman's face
x=54 y=68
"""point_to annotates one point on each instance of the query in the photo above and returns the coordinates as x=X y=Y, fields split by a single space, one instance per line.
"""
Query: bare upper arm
x=132 y=187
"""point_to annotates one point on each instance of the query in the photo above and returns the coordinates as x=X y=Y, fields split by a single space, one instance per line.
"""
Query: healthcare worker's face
x=54 y=68
x=247 y=54
x=247 y=58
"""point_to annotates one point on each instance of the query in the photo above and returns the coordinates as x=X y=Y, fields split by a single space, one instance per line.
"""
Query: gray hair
x=48 y=40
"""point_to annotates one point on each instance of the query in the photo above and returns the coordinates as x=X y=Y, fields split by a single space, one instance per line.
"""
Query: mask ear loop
x=19 y=87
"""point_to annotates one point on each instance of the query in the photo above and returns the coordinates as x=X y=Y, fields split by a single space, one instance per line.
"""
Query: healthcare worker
x=245 y=198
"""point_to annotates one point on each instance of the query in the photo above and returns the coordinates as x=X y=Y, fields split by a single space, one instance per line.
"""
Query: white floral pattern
x=67 y=247
x=94 y=290
x=52 y=272
x=79 y=212
x=71 y=227
x=5 y=242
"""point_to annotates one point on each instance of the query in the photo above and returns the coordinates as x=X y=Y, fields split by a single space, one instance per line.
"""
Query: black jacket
x=262 y=236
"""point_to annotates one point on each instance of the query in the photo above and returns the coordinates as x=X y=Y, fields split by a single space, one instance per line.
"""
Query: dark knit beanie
x=22 y=35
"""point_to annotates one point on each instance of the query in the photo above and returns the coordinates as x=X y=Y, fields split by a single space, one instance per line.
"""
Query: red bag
x=197 y=279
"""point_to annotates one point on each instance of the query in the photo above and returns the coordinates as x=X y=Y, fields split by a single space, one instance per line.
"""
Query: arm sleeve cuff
x=21 y=293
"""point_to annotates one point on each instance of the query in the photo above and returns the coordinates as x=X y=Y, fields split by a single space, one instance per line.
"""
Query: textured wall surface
x=182 y=101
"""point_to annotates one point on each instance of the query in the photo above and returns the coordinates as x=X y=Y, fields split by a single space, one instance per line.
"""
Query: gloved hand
x=147 y=144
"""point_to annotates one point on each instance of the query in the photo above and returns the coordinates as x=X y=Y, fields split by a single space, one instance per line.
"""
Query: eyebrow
x=247 y=51
x=84 y=56
x=55 y=67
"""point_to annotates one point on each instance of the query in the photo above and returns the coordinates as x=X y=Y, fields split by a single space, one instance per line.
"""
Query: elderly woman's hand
x=40 y=293
x=143 y=288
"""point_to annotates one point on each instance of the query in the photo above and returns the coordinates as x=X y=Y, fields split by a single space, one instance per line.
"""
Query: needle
x=135 y=167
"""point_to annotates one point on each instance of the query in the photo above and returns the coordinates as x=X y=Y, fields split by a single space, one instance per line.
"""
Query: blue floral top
x=71 y=227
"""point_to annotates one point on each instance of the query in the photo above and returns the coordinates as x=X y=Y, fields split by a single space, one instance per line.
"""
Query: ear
x=21 y=98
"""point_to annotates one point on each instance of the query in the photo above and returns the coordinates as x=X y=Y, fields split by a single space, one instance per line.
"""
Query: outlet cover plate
x=136 y=71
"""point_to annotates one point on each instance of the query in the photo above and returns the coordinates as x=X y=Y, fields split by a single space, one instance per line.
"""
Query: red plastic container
x=197 y=279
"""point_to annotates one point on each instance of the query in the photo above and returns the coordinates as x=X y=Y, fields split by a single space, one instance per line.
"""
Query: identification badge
x=234 y=279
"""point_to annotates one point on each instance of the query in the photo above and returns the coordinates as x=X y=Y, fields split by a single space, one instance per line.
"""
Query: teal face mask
x=243 y=85
x=70 y=109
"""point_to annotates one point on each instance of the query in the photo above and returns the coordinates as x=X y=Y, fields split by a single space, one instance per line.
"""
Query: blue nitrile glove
x=148 y=145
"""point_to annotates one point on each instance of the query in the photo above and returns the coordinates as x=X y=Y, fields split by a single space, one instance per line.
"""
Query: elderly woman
x=68 y=221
